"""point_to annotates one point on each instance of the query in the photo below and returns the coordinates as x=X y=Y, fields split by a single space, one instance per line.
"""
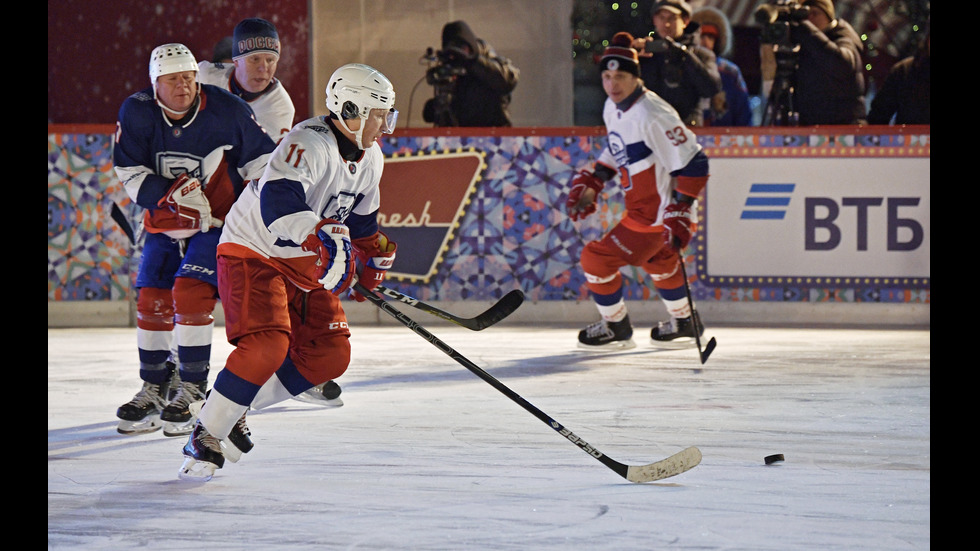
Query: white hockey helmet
x=354 y=90
x=170 y=58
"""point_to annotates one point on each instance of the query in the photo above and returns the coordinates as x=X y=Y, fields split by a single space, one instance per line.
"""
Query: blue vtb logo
x=767 y=201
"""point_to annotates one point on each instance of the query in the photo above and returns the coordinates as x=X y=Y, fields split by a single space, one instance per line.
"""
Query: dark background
x=98 y=52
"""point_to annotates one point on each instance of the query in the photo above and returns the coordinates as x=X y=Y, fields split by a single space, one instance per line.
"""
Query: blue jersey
x=218 y=142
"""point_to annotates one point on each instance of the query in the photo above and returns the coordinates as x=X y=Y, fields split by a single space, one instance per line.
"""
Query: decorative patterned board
x=512 y=233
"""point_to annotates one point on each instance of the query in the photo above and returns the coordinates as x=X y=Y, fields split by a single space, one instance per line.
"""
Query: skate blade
x=676 y=344
x=179 y=428
x=146 y=426
x=614 y=345
x=196 y=471
x=313 y=396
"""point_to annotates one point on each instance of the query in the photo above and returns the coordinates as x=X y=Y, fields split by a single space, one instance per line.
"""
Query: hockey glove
x=186 y=198
x=375 y=256
x=678 y=224
x=330 y=240
x=582 y=198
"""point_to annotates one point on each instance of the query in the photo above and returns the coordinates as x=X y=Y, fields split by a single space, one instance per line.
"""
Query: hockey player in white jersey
x=255 y=52
x=292 y=244
x=663 y=170
x=251 y=75
x=183 y=152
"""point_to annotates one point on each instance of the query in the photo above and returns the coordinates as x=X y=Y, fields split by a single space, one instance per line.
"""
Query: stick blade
x=500 y=310
x=708 y=349
x=674 y=465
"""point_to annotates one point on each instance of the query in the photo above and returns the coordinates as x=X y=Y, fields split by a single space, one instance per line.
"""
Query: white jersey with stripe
x=276 y=223
x=274 y=109
x=647 y=140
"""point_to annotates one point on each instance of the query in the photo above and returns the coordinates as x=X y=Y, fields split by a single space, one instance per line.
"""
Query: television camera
x=444 y=68
x=776 y=18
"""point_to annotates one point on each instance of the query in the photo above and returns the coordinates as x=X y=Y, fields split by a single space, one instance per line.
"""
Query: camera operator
x=472 y=83
x=826 y=75
x=674 y=64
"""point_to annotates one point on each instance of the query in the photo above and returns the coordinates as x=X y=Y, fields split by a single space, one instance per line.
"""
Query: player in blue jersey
x=184 y=152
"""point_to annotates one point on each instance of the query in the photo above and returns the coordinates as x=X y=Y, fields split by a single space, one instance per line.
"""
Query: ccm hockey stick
x=500 y=310
x=696 y=318
x=678 y=463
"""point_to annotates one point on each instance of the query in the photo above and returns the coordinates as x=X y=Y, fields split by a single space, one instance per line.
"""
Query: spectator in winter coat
x=674 y=65
x=829 y=77
x=472 y=83
x=730 y=107
x=904 y=94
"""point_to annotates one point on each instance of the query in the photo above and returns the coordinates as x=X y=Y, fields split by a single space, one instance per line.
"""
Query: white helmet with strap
x=354 y=90
x=171 y=58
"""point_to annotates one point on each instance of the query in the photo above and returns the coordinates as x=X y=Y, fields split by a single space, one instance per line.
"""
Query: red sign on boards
x=423 y=198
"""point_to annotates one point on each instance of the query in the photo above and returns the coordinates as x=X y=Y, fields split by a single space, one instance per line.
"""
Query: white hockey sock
x=678 y=308
x=272 y=392
x=613 y=313
x=220 y=414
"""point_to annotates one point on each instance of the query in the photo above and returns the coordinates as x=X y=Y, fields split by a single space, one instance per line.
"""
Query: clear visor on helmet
x=390 y=119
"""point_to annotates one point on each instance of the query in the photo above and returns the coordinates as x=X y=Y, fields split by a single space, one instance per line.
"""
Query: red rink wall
x=806 y=226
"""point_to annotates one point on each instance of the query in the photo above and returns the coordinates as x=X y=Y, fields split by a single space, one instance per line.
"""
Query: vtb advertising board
x=848 y=221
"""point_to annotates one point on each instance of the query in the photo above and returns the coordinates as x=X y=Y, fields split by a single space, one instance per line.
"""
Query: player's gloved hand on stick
x=186 y=198
x=679 y=224
x=330 y=240
x=582 y=197
x=375 y=256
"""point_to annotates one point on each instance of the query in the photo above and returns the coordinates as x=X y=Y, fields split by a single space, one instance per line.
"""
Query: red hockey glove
x=582 y=197
x=679 y=225
x=330 y=240
x=375 y=257
x=186 y=198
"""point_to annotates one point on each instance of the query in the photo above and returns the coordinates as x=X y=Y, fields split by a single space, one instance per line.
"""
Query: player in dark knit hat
x=663 y=170
x=620 y=55
x=255 y=49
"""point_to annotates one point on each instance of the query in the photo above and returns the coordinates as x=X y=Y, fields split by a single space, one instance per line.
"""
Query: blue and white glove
x=330 y=240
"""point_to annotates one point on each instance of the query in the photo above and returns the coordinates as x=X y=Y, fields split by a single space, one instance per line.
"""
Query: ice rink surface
x=424 y=455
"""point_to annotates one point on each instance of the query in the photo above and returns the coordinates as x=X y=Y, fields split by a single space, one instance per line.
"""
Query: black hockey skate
x=326 y=394
x=177 y=417
x=603 y=335
x=202 y=455
x=239 y=440
x=676 y=333
x=141 y=415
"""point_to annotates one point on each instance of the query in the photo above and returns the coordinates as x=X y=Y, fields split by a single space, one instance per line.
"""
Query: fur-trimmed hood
x=714 y=16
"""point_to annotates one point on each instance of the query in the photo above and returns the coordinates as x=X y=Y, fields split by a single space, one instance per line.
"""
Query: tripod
x=780 y=110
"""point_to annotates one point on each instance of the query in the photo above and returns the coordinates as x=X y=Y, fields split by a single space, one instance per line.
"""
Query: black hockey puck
x=770 y=459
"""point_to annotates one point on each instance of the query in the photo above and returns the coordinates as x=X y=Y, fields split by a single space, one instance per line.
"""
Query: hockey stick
x=678 y=463
x=500 y=310
x=696 y=318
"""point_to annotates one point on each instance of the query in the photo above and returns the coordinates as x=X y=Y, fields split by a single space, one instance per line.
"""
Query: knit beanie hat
x=620 y=56
x=253 y=36
x=826 y=6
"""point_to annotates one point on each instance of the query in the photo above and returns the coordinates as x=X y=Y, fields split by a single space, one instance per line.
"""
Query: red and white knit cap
x=620 y=56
